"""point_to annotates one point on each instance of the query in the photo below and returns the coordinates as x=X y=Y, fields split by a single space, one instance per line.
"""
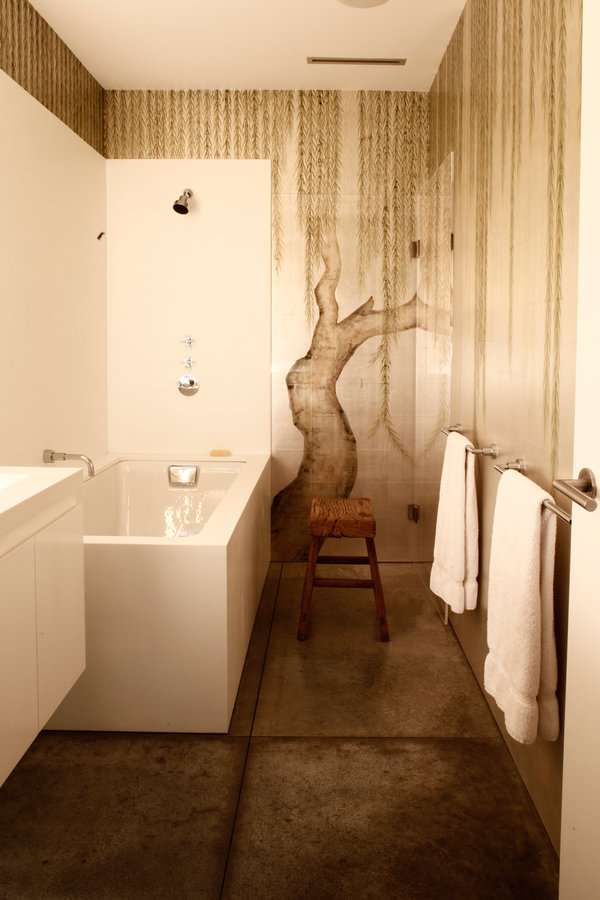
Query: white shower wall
x=206 y=274
x=53 y=292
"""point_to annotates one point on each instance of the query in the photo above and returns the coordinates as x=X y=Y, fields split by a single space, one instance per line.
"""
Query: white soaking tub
x=173 y=576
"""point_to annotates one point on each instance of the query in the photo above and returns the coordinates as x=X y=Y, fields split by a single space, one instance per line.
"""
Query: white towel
x=456 y=546
x=520 y=669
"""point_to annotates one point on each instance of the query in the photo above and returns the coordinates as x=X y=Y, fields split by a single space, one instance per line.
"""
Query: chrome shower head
x=181 y=205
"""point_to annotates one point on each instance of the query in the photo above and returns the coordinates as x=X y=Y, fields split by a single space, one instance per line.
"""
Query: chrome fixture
x=582 y=490
x=517 y=464
x=492 y=451
x=188 y=385
x=188 y=362
x=183 y=476
x=181 y=205
x=188 y=340
x=51 y=456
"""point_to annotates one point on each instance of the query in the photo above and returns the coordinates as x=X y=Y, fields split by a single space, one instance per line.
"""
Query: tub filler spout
x=51 y=456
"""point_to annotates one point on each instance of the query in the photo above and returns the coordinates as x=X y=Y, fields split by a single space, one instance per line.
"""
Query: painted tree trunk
x=329 y=461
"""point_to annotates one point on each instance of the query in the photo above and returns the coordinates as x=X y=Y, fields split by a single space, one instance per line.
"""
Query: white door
x=580 y=835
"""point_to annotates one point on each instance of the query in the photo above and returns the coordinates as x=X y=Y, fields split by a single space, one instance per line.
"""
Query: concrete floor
x=352 y=769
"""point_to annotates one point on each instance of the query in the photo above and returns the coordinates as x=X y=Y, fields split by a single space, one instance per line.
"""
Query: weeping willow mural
x=391 y=134
x=500 y=101
x=329 y=461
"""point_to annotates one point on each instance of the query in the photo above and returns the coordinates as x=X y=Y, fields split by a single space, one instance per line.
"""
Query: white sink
x=31 y=497
x=7 y=480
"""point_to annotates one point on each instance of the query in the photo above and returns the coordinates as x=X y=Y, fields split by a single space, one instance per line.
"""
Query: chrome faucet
x=51 y=456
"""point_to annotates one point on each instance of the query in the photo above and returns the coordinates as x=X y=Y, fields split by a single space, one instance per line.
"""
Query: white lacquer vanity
x=42 y=625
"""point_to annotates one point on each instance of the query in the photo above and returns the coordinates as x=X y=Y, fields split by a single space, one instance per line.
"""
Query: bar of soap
x=220 y=452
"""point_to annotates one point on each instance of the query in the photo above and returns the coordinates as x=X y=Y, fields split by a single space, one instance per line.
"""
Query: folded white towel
x=456 y=546
x=520 y=669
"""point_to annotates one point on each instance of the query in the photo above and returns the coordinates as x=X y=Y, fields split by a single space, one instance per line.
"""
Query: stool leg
x=377 y=590
x=311 y=565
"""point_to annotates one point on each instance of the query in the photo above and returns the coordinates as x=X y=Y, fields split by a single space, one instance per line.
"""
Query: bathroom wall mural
x=502 y=93
x=329 y=461
x=348 y=169
x=330 y=458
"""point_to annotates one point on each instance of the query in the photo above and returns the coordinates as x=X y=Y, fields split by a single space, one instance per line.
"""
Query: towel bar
x=519 y=466
x=557 y=511
x=478 y=451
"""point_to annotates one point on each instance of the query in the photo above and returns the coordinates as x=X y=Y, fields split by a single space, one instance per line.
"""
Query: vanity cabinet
x=60 y=610
x=42 y=631
x=18 y=656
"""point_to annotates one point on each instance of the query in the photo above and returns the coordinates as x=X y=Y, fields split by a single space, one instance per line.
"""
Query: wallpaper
x=36 y=58
x=500 y=100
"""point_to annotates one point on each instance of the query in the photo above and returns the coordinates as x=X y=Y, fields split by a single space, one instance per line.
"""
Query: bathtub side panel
x=248 y=557
x=156 y=641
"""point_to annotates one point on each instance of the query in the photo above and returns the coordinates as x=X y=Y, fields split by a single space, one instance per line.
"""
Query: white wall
x=53 y=325
x=206 y=274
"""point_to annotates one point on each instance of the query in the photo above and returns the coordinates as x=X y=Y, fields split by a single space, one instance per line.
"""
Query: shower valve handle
x=188 y=362
x=188 y=340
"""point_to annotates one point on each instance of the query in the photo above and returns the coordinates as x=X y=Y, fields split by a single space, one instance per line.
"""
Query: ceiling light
x=362 y=4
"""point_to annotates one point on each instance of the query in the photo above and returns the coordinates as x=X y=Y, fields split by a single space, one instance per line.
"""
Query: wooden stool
x=342 y=517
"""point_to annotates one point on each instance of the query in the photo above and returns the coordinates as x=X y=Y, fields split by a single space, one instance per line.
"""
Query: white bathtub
x=171 y=594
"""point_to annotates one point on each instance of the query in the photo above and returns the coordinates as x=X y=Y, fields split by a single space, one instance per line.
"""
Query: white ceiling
x=253 y=44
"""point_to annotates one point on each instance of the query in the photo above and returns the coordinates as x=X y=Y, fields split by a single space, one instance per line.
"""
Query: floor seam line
x=377 y=737
x=249 y=740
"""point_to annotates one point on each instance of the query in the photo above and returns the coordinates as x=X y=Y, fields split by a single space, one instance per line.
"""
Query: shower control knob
x=188 y=385
x=188 y=340
x=188 y=362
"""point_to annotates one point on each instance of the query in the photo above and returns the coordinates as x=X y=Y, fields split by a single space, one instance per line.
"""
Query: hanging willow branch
x=483 y=88
x=392 y=162
x=318 y=164
x=434 y=210
x=548 y=79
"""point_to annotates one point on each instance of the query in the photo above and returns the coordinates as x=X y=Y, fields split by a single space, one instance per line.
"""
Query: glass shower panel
x=382 y=418
x=433 y=347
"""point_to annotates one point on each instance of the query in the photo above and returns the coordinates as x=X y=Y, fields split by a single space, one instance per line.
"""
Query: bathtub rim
x=221 y=524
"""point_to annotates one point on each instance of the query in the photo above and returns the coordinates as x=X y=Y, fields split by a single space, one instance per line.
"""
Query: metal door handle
x=581 y=490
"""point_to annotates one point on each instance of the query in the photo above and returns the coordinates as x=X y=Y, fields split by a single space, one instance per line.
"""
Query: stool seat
x=342 y=517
